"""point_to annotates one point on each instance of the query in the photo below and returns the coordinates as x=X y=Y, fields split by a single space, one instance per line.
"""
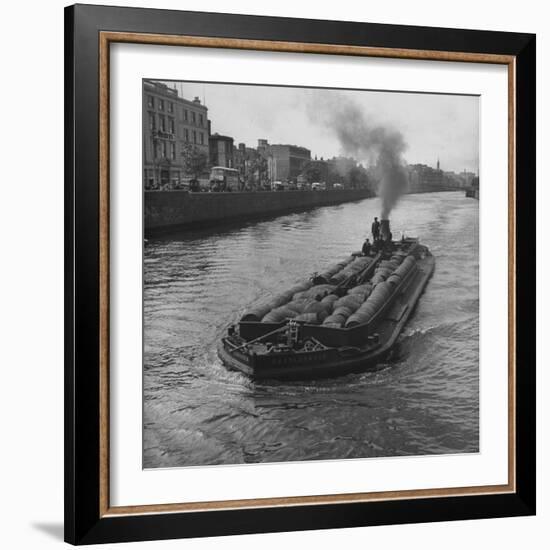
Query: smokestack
x=385 y=229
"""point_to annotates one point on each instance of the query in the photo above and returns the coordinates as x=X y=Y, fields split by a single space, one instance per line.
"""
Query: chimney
x=384 y=229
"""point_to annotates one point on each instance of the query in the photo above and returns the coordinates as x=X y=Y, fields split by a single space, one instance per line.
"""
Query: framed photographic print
x=300 y=273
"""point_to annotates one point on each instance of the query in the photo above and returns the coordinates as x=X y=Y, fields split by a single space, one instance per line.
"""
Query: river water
x=423 y=400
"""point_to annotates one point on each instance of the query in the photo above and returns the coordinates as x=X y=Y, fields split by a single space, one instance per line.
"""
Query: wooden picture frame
x=89 y=33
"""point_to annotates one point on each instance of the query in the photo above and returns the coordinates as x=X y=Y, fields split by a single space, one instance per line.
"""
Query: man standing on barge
x=366 y=248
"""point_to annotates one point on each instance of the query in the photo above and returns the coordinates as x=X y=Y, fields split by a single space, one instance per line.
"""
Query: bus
x=224 y=179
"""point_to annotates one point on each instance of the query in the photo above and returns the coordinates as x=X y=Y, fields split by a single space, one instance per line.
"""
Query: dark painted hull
x=336 y=361
x=338 y=366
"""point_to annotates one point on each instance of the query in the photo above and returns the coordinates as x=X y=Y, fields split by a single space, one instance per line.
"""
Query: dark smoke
x=366 y=141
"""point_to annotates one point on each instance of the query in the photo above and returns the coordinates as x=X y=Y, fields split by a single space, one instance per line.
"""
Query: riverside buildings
x=221 y=151
x=267 y=162
x=171 y=124
x=178 y=146
x=285 y=162
x=425 y=179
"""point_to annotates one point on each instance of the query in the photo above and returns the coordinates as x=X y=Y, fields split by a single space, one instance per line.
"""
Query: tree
x=195 y=161
x=354 y=177
x=311 y=172
x=357 y=177
x=256 y=171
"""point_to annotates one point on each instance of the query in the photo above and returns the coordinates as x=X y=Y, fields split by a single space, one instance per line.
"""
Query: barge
x=345 y=319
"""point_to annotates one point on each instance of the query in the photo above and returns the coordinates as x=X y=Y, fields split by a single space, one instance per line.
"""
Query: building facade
x=252 y=166
x=286 y=162
x=221 y=151
x=171 y=125
x=424 y=179
x=193 y=127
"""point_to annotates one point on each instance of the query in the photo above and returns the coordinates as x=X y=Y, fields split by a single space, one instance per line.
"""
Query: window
x=150 y=102
x=186 y=134
x=170 y=107
x=151 y=121
x=185 y=115
x=161 y=104
x=173 y=151
x=164 y=154
x=194 y=136
x=201 y=138
x=153 y=148
x=194 y=117
x=162 y=122
x=171 y=126
x=201 y=120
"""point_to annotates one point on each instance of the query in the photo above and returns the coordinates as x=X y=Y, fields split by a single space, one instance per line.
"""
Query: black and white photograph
x=310 y=273
x=277 y=277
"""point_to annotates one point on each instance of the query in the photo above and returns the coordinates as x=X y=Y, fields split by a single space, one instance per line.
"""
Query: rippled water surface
x=424 y=400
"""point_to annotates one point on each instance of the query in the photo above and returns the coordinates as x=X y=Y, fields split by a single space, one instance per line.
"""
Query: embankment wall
x=164 y=210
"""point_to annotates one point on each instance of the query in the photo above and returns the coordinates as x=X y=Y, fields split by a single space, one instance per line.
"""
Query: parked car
x=277 y=186
x=318 y=186
x=194 y=185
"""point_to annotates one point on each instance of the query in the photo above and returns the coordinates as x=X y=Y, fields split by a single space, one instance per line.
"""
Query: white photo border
x=130 y=485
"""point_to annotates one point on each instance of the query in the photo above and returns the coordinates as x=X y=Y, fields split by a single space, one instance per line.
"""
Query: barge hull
x=336 y=365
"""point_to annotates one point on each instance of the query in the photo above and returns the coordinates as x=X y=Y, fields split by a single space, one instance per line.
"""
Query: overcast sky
x=433 y=126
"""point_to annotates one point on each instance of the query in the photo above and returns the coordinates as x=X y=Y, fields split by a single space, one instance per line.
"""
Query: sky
x=433 y=126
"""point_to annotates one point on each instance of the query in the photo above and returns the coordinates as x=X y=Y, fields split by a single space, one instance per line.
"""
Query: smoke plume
x=380 y=146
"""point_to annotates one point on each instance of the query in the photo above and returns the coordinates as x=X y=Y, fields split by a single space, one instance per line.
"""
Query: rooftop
x=219 y=136
x=160 y=87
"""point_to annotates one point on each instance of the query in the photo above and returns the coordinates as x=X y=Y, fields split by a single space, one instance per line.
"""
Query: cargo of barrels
x=381 y=292
x=353 y=268
x=258 y=312
x=315 y=303
x=325 y=276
